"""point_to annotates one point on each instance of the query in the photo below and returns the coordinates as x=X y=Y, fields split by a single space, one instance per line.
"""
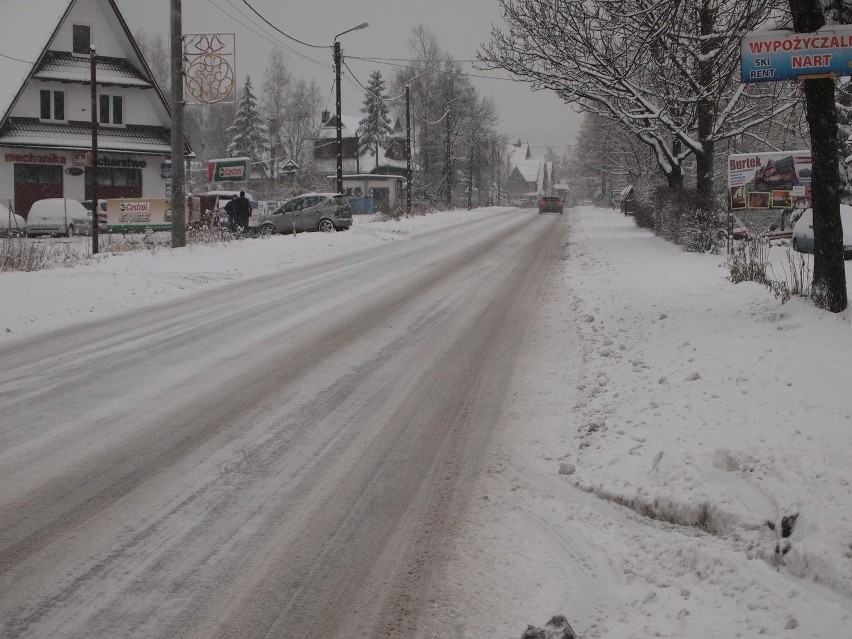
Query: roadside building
x=528 y=177
x=45 y=101
x=391 y=161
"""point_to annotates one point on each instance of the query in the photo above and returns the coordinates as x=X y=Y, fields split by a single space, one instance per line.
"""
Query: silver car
x=58 y=216
x=309 y=212
x=803 y=231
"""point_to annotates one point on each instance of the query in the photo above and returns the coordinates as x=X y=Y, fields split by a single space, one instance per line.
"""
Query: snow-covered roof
x=348 y=126
x=516 y=153
x=25 y=31
x=153 y=140
x=529 y=169
x=65 y=67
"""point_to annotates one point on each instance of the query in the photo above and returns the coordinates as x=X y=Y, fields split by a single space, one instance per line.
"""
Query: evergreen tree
x=247 y=133
x=374 y=129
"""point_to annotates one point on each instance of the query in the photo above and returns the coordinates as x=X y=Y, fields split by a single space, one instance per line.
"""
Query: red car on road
x=550 y=204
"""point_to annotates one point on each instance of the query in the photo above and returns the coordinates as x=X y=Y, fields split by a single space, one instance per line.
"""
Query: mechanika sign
x=772 y=56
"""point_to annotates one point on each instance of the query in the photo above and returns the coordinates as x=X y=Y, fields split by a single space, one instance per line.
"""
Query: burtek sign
x=778 y=180
x=228 y=170
x=772 y=56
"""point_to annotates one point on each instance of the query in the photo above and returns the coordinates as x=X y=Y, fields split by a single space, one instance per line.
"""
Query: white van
x=59 y=216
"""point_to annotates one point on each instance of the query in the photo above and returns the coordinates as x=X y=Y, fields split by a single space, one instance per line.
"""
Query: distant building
x=392 y=161
x=529 y=177
x=45 y=101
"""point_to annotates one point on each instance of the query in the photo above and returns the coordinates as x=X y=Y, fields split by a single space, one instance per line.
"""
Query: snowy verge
x=109 y=283
x=711 y=405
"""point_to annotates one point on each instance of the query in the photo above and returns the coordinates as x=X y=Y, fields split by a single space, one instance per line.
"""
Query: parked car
x=11 y=224
x=59 y=216
x=550 y=204
x=803 y=231
x=310 y=212
x=102 y=213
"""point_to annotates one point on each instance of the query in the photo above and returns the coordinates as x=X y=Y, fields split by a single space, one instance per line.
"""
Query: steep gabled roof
x=25 y=32
x=25 y=35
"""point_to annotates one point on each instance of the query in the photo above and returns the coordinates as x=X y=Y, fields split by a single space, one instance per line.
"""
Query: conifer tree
x=247 y=133
x=374 y=129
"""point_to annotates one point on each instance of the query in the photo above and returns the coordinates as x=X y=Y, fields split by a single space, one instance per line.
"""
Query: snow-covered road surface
x=287 y=456
x=656 y=426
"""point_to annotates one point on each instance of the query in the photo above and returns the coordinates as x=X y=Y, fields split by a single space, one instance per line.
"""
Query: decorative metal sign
x=210 y=68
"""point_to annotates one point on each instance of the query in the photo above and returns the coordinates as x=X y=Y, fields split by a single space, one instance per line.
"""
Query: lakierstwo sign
x=779 y=180
x=772 y=56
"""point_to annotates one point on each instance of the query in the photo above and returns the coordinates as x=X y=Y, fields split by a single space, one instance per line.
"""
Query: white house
x=528 y=176
x=391 y=161
x=45 y=101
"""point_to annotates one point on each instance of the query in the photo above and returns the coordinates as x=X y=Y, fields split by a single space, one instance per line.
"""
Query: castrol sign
x=228 y=170
x=138 y=214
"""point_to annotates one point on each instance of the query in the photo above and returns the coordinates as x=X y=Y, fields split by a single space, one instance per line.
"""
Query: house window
x=52 y=105
x=82 y=35
x=111 y=109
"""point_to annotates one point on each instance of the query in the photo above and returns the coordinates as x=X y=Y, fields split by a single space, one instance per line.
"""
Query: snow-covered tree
x=275 y=93
x=248 y=138
x=665 y=70
x=374 y=129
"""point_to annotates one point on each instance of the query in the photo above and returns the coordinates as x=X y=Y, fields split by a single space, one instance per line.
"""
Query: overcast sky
x=459 y=25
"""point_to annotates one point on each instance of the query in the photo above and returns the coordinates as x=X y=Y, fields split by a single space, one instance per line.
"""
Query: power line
x=378 y=97
x=289 y=37
x=8 y=57
x=266 y=36
x=424 y=69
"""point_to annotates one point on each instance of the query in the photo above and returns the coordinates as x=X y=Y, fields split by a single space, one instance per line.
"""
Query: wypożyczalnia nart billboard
x=777 y=180
x=772 y=56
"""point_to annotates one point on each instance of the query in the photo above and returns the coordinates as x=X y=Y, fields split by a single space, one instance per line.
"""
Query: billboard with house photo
x=779 y=180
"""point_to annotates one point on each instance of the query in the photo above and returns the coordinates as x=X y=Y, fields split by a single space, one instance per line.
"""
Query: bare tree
x=275 y=94
x=301 y=121
x=665 y=70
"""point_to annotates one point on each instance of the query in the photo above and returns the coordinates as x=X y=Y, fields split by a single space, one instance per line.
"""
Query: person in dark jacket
x=242 y=211
x=231 y=210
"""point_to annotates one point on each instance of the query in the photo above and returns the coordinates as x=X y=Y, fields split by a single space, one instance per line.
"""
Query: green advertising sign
x=228 y=170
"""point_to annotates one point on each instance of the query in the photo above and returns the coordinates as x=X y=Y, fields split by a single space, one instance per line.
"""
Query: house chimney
x=326 y=115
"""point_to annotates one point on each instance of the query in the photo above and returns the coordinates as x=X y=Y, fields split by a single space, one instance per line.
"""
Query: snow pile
x=709 y=405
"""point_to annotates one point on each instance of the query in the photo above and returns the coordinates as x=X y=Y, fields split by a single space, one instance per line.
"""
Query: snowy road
x=282 y=457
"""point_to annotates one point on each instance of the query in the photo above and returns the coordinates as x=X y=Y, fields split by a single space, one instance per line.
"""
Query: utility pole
x=408 y=149
x=94 y=172
x=337 y=60
x=470 y=176
x=178 y=142
x=449 y=163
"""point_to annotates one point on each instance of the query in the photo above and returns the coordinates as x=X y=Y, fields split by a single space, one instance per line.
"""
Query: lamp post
x=338 y=60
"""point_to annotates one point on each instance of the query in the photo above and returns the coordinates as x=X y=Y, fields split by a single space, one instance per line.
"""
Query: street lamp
x=338 y=59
